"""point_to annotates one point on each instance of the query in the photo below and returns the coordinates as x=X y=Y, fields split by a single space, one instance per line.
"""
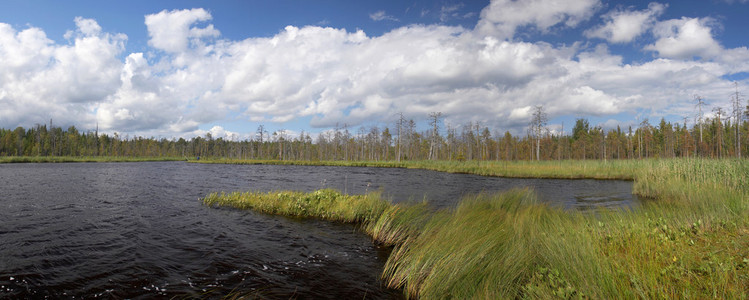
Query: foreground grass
x=66 y=159
x=690 y=241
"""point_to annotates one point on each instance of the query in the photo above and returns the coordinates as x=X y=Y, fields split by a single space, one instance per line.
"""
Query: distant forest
x=723 y=135
x=716 y=137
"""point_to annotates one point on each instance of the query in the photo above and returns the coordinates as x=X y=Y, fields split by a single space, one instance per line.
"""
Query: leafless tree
x=434 y=121
x=399 y=126
x=261 y=132
x=538 y=127
x=699 y=105
x=738 y=114
x=719 y=132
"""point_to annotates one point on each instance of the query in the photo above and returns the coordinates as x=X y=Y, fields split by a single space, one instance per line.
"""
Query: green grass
x=326 y=204
x=66 y=159
x=569 y=169
x=690 y=240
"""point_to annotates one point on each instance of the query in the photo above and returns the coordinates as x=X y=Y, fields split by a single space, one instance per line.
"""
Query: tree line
x=719 y=136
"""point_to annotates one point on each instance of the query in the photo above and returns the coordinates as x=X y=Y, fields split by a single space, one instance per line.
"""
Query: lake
x=138 y=230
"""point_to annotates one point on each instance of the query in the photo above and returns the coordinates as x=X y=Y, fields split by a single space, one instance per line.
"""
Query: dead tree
x=538 y=127
x=434 y=119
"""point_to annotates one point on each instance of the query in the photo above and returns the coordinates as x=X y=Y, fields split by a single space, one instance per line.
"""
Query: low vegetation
x=690 y=240
x=568 y=169
x=326 y=204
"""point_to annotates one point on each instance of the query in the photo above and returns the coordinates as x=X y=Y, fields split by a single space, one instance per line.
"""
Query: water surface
x=137 y=230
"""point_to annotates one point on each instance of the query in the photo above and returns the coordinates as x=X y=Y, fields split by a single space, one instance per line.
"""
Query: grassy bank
x=66 y=159
x=567 y=169
x=690 y=241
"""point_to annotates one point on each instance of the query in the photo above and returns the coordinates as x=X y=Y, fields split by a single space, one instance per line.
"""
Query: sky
x=185 y=68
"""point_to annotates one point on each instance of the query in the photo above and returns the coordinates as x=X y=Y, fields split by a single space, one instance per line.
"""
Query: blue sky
x=184 y=68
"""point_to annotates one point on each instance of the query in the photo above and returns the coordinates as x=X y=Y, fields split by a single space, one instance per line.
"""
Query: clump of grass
x=479 y=247
x=493 y=246
x=398 y=223
x=508 y=246
x=327 y=204
x=690 y=241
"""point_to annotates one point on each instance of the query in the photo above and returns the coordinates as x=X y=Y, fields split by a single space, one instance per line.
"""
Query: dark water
x=137 y=230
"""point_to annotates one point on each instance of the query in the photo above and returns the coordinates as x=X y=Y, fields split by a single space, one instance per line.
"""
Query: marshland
x=690 y=239
x=652 y=213
x=491 y=149
x=652 y=228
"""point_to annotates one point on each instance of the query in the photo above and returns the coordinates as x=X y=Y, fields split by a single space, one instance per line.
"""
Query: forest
x=719 y=136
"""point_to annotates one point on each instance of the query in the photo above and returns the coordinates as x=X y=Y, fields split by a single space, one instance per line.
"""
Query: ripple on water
x=137 y=230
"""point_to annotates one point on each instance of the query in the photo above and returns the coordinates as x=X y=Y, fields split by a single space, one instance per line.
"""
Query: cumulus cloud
x=219 y=132
x=333 y=76
x=42 y=80
x=623 y=26
x=503 y=17
x=685 y=38
x=172 y=31
x=87 y=27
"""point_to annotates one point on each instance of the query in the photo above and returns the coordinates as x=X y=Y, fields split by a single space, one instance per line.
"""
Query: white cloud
x=503 y=17
x=220 y=132
x=521 y=114
x=331 y=76
x=623 y=26
x=685 y=38
x=172 y=31
x=88 y=27
x=737 y=59
x=381 y=16
x=43 y=81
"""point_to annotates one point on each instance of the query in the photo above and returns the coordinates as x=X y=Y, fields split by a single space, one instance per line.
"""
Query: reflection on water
x=130 y=230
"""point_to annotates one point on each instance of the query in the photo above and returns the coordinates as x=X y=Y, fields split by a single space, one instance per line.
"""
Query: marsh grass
x=568 y=169
x=690 y=240
x=398 y=223
x=326 y=204
x=509 y=246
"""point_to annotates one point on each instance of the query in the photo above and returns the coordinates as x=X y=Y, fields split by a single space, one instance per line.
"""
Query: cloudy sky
x=184 y=68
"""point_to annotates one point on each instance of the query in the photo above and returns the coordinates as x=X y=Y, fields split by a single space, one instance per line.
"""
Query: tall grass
x=398 y=223
x=326 y=204
x=690 y=240
x=508 y=246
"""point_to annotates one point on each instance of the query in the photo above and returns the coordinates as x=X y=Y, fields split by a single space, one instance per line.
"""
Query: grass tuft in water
x=691 y=240
x=327 y=204
x=398 y=223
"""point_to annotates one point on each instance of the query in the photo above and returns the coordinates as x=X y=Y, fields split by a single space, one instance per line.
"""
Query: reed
x=689 y=240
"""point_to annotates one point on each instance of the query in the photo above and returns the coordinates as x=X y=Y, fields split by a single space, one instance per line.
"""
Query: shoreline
x=692 y=240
